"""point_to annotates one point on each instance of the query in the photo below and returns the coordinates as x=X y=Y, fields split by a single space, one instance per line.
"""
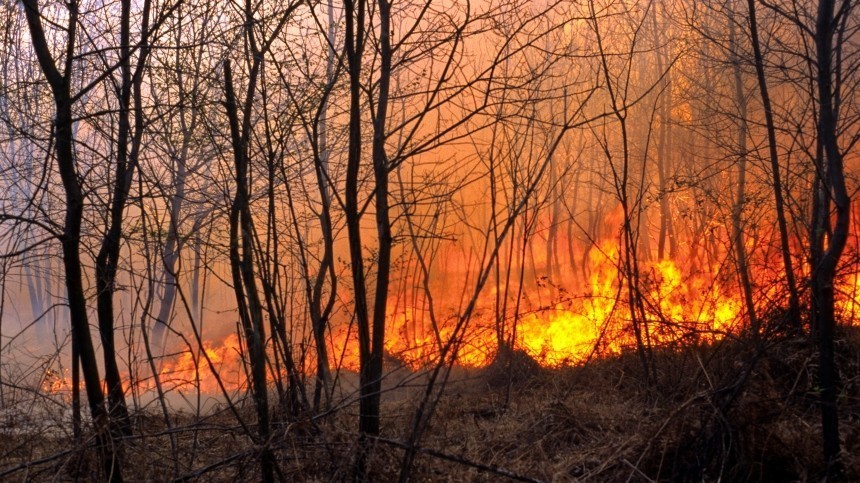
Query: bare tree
x=829 y=24
x=60 y=84
x=128 y=144
x=738 y=238
x=779 y=201
x=242 y=223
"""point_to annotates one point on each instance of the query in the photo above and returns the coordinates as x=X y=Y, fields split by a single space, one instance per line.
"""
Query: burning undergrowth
x=714 y=411
x=595 y=382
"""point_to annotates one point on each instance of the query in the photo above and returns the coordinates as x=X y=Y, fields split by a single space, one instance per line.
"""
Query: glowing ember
x=57 y=384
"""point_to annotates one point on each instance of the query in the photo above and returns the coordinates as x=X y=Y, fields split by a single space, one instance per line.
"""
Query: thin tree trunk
x=71 y=238
x=368 y=419
x=667 y=229
x=371 y=387
x=319 y=312
x=740 y=197
x=242 y=265
x=638 y=320
x=108 y=256
x=76 y=390
x=170 y=256
x=779 y=200
x=824 y=273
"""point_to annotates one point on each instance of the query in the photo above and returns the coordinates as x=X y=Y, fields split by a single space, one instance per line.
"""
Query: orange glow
x=183 y=372
x=189 y=369
x=676 y=305
x=679 y=303
x=848 y=305
x=57 y=384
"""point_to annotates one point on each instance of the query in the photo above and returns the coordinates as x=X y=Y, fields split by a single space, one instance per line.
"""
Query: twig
x=201 y=471
x=28 y=464
x=636 y=470
x=459 y=459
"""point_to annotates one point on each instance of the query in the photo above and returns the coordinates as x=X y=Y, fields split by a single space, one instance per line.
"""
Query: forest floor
x=712 y=413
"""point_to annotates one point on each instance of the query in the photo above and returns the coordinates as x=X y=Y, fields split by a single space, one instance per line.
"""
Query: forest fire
x=57 y=384
x=217 y=367
x=595 y=321
x=323 y=228
x=592 y=322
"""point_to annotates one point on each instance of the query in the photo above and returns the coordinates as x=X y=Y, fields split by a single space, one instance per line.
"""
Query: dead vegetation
x=716 y=413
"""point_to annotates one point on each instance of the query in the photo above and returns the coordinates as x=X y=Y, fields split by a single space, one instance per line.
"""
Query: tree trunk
x=108 y=256
x=320 y=312
x=71 y=237
x=776 y=178
x=824 y=273
x=667 y=228
x=371 y=387
x=242 y=268
x=740 y=197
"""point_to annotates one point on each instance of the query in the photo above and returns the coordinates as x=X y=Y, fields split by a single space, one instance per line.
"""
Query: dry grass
x=596 y=423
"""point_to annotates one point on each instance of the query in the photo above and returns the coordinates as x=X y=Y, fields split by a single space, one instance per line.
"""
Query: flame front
x=677 y=305
x=597 y=321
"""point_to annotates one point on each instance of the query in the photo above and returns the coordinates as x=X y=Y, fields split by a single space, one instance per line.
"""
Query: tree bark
x=776 y=178
x=71 y=238
x=824 y=273
x=371 y=387
x=242 y=264
x=740 y=197
x=108 y=256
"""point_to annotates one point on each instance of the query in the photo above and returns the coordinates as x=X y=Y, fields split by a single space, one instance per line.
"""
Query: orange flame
x=677 y=304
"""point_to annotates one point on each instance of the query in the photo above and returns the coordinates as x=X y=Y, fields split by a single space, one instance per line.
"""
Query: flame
x=559 y=337
x=848 y=303
x=677 y=305
x=679 y=302
x=57 y=384
x=191 y=369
